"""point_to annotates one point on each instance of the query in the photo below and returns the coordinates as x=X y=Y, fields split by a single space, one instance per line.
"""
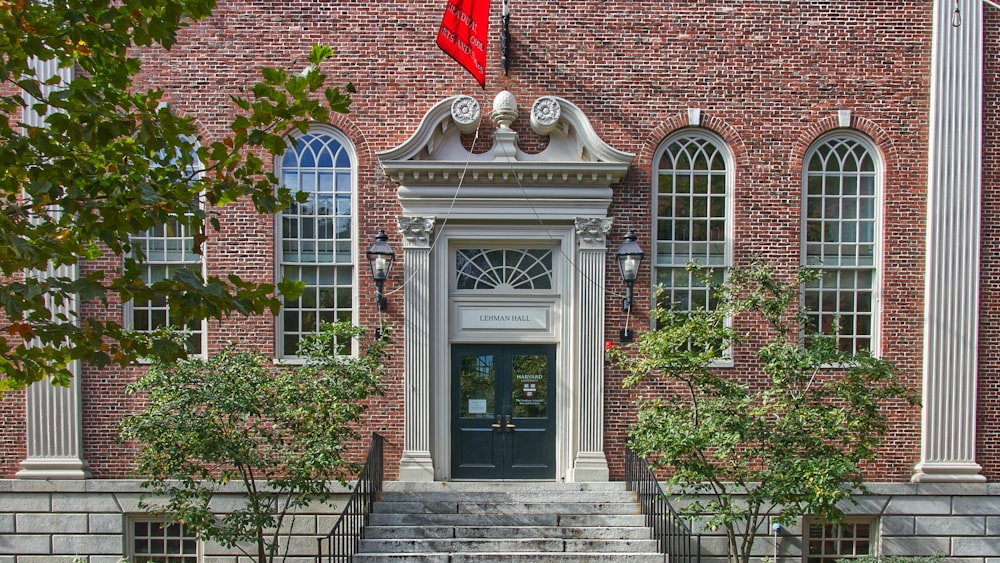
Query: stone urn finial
x=504 y=110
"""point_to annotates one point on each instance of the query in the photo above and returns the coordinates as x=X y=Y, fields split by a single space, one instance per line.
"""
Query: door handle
x=507 y=425
x=498 y=425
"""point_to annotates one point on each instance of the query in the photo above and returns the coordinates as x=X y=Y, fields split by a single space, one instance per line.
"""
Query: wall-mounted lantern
x=630 y=256
x=380 y=257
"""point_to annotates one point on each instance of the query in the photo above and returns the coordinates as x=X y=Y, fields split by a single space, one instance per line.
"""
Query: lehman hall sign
x=489 y=318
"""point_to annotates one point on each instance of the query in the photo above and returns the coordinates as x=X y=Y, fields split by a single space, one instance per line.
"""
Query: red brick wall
x=12 y=421
x=988 y=421
x=769 y=77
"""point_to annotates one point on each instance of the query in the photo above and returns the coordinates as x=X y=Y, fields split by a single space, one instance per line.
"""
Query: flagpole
x=505 y=37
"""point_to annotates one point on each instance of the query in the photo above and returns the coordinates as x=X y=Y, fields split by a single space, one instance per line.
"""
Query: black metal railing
x=673 y=537
x=342 y=541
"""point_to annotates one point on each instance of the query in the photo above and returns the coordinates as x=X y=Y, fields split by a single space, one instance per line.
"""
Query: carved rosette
x=466 y=114
x=416 y=231
x=592 y=232
x=545 y=115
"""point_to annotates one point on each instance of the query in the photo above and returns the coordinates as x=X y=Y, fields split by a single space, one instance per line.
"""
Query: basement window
x=158 y=541
x=853 y=539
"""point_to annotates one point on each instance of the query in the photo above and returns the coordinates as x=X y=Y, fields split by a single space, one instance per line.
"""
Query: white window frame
x=869 y=146
x=852 y=521
x=281 y=263
x=130 y=538
x=129 y=308
x=726 y=154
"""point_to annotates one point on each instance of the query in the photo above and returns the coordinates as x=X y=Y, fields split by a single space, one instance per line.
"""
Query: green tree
x=785 y=441
x=109 y=161
x=283 y=432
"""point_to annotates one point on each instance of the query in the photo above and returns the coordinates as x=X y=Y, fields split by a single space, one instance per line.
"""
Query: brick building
x=855 y=135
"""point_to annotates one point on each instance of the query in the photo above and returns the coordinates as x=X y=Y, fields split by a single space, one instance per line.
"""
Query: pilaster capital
x=592 y=232
x=417 y=232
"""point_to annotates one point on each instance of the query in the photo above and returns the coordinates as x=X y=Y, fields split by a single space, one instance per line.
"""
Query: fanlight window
x=504 y=269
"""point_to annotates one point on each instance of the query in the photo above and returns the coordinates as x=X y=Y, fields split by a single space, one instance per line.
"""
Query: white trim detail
x=505 y=198
x=416 y=463
x=571 y=177
x=591 y=257
x=694 y=117
x=844 y=117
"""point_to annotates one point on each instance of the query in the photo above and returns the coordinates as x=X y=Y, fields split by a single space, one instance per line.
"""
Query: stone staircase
x=512 y=521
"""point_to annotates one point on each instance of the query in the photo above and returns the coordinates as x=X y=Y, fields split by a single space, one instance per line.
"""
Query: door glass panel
x=529 y=386
x=477 y=386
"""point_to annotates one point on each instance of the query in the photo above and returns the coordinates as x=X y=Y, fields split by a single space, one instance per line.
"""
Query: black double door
x=503 y=411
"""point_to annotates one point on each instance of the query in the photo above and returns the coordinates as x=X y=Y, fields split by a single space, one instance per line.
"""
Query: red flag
x=463 y=35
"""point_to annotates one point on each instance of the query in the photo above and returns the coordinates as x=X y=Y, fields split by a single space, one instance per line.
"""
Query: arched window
x=841 y=237
x=693 y=202
x=316 y=237
x=166 y=249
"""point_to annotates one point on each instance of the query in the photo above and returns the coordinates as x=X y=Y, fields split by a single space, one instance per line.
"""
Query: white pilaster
x=54 y=427
x=951 y=296
x=416 y=463
x=54 y=439
x=590 y=463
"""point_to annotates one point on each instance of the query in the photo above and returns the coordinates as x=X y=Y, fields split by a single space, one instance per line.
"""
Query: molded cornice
x=433 y=167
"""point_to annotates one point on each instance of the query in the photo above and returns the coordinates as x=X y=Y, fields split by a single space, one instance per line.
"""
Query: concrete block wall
x=57 y=521
x=958 y=522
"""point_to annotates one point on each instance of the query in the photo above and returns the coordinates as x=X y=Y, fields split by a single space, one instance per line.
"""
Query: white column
x=416 y=463
x=590 y=463
x=951 y=296
x=54 y=427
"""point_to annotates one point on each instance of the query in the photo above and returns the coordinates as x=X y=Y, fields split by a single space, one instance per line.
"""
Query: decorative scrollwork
x=593 y=230
x=416 y=231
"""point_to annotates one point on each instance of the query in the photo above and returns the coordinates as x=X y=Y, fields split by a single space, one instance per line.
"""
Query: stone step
x=632 y=532
x=507 y=545
x=409 y=519
x=458 y=507
x=479 y=522
x=507 y=496
x=523 y=520
x=500 y=486
x=547 y=557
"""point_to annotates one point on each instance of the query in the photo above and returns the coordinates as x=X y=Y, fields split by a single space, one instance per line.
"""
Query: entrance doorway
x=503 y=411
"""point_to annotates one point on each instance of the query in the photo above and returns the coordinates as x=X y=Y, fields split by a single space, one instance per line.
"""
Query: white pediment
x=572 y=176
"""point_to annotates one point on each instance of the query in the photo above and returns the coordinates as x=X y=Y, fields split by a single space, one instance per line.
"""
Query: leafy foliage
x=283 y=432
x=110 y=161
x=788 y=441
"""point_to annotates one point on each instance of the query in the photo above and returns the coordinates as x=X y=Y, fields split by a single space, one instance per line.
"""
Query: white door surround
x=504 y=198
